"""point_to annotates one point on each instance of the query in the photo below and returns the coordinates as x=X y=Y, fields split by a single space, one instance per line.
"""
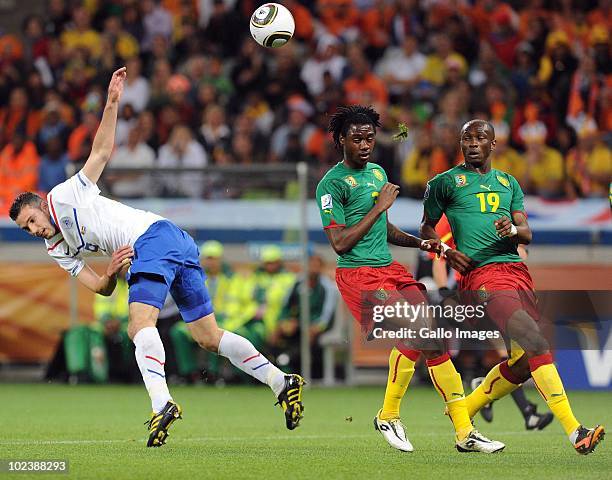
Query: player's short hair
x=479 y=120
x=25 y=198
x=346 y=116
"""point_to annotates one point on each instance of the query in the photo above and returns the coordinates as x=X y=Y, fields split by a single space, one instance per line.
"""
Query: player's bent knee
x=206 y=333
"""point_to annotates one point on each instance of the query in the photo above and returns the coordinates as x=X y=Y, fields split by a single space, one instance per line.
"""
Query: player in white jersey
x=77 y=222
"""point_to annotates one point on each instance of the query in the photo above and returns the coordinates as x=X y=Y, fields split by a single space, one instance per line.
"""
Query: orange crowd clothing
x=367 y=90
x=337 y=15
x=377 y=20
x=18 y=173
x=12 y=118
x=76 y=139
x=304 y=26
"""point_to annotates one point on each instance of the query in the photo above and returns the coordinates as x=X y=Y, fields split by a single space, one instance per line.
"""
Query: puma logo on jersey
x=370 y=184
x=487 y=187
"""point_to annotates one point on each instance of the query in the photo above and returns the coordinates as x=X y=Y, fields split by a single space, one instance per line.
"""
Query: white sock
x=245 y=356
x=151 y=357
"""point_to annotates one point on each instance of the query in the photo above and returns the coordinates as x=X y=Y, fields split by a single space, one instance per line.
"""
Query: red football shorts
x=506 y=287
x=362 y=287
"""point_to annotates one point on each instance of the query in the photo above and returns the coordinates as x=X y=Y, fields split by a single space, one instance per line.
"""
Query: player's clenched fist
x=121 y=257
x=387 y=195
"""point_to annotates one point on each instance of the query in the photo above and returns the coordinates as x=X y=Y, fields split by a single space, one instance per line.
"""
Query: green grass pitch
x=236 y=433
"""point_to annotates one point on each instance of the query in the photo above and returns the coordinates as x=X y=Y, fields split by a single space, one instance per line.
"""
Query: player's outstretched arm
x=518 y=227
x=428 y=228
x=104 y=140
x=396 y=236
x=105 y=284
x=456 y=259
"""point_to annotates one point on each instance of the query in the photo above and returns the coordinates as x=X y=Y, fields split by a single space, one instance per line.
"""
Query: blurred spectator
x=146 y=127
x=506 y=158
x=125 y=122
x=220 y=32
x=339 y=17
x=504 y=37
x=178 y=88
x=19 y=164
x=556 y=69
x=111 y=315
x=272 y=285
x=132 y=22
x=162 y=72
x=214 y=133
x=323 y=299
x=52 y=127
x=545 y=169
x=401 y=68
x=35 y=42
x=136 y=87
x=364 y=87
x=326 y=59
x=214 y=74
x=453 y=111
x=590 y=163
x=416 y=168
x=134 y=154
x=18 y=114
x=257 y=143
x=125 y=45
x=446 y=152
x=585 y=99
x=523 y=73
x=304 y=25
x=81 y=138
x=376 y=27
x=182 y=151
x=53 y=164
x=434 y=71
x=600 y=43
x=285 y=78
x=408 y=20
x=157 y=21
x=80 y=34
x=532 y=129
x=250 y=71
x=297 y=129
x=57 y=17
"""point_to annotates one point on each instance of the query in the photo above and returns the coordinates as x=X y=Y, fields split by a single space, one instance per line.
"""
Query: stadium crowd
x=201 y=92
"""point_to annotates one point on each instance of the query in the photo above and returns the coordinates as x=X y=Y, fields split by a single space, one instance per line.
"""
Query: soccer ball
x=272 y=25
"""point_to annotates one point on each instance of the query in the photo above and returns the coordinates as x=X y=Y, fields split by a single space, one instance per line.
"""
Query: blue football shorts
x=166 y=259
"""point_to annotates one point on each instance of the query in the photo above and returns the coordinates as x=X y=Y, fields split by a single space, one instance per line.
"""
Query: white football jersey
x=89 y=224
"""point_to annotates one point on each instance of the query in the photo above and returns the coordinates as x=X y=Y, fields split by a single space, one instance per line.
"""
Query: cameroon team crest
x=482 y=293
x=460 y=180
x=351 y=181
x=378 y=174
x=503 y=181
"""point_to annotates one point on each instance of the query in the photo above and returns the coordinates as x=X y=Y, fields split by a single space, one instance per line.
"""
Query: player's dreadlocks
x=351 y=115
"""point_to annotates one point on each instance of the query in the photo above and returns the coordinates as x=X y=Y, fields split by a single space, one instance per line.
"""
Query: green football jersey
x=472 y=202
x=344 y=197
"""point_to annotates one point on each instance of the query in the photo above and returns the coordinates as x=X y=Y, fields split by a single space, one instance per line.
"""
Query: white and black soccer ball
x=272 y=25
